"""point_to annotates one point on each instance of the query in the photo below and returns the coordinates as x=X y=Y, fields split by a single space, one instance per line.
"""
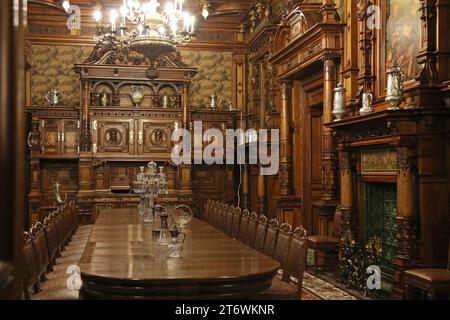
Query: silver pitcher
x=53 y=97
x=339 y=103
x=214 y=102
x=367 y=100
x=395 y=81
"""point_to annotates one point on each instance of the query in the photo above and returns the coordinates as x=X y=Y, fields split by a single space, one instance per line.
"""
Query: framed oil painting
x=402 y=37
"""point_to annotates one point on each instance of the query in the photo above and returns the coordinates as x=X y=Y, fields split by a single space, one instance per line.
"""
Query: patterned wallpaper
x=52 y=66
x=214 y=75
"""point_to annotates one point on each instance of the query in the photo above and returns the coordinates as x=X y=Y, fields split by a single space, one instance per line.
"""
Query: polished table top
x=121 y=248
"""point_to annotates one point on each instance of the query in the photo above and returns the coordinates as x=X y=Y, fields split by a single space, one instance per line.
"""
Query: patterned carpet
x=318 y=289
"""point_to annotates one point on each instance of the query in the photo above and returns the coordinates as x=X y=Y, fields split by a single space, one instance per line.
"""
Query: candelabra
x=149 y=184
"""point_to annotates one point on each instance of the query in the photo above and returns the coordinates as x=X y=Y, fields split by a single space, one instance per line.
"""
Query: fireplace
x=381 y=217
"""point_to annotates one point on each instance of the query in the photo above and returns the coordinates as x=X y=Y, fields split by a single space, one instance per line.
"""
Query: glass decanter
x=175 y=247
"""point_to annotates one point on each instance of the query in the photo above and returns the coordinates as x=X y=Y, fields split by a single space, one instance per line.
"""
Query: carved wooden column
x=34 y=143
x=329 y=161
x=186 y=106
x=365 y=77
x=407 y=222
x=85 y=145
x=12 y=147
x=406 y=194
x=261 y=201
x=286 y=180
x=426 y=59
x=347 y=166
x=85 y=169
x=185 y=170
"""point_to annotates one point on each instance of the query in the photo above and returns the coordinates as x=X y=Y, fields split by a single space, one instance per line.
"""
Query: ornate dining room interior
x=116 y=182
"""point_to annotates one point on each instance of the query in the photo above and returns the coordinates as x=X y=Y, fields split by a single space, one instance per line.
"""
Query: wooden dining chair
x=40 y=249
x=326 y=248
x=282 y=244
x=260 y=236
x=229 y=220
x=243 y=226
x=214 y=209
x=287 y=288
x=236 y=223
x=251 y=230
x=435 y=282
x=222 y=217
x=31 y=276
x=205 y=213
x=271 y=238
x=51 y=237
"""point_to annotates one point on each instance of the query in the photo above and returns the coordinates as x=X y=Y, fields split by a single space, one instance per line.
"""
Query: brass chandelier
x=146 y=28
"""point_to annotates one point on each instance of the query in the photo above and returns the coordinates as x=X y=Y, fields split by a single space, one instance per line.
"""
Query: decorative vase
x=137 y=95
x=339 y=103
x=367 y=100
x=53 y=97
x=105 y=99
x=395 y=81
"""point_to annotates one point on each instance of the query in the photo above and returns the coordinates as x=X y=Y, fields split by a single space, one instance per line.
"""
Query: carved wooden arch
x=281 y=38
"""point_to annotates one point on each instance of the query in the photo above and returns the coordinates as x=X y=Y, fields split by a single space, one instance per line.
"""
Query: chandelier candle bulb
x=192 y=24
x=113 y=20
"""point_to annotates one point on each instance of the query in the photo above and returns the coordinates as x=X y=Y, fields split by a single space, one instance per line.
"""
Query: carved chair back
x=282 y=244
x=271 y=238
x=297 y=258
x=243 y=227
x=260 y=236
x=229 y=219
x=251 y=230
x=236 y=223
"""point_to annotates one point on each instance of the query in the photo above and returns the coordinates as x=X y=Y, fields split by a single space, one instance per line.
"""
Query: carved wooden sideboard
x=94 y=151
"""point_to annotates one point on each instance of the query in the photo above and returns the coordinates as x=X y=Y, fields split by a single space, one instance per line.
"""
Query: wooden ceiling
x=47 y=21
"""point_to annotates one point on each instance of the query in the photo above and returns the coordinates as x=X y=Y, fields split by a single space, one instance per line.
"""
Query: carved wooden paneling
x=154 y=137
x=50 y=131
x=113 y=136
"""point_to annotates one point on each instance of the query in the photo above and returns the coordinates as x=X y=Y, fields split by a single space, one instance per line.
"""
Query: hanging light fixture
x=147 y=27
x=66 y=5
x=205 y=8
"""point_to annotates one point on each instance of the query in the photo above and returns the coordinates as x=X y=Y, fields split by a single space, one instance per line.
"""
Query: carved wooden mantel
x=422 y=218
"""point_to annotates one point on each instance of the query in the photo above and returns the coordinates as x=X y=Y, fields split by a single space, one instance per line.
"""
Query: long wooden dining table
x=124 y=260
